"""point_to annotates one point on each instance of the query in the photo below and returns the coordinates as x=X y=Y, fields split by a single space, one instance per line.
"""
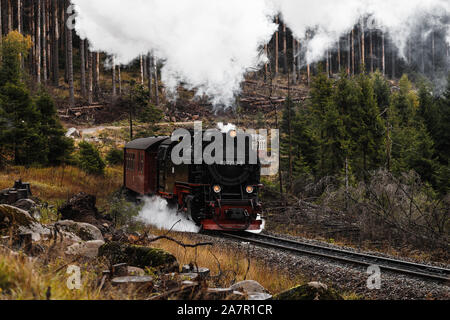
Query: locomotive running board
x=229 y=225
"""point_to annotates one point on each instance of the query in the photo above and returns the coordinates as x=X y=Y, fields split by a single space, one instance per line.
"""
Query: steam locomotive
x=218 y=196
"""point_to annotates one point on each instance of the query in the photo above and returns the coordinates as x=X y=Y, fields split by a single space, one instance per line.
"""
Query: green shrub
x=89 y=159
x=115 y=157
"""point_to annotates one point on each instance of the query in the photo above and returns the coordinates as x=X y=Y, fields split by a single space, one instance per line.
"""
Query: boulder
x=85 y=231
x=253 y=289
x=139 y=256
x=26 y=204
x=15 y=217
x=73 y=133
x=22 y=222
x=248 y=286
x=88 y=249
x=310 y=291
x=81 y=208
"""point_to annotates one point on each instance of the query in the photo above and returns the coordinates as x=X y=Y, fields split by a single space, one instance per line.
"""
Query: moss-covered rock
x=21 y=222
x=138 y=256
x=10 y=215
x=310 y=291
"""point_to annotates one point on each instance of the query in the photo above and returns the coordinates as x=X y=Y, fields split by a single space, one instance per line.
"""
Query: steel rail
x=390 y=264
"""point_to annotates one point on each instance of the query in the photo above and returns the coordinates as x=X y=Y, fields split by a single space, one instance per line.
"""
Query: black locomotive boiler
x=219 y=196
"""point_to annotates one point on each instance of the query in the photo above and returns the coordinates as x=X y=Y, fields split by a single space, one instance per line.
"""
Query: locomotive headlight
x=249 y=189
x=217 y=189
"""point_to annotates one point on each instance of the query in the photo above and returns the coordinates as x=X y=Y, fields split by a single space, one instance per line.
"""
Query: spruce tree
x=369 y=130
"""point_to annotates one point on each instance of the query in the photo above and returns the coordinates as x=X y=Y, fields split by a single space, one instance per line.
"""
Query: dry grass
x=234 y=264
x=24 y=278
x=59 y=183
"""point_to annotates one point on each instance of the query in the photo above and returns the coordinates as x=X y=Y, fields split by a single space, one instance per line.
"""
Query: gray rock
x=85 y=231
x=258 y=296
x=253 y=289
x=88 y=249
x=132 y=280
x=73 y=133
x=249 y=286
x=25 y=204
x=23 y=222
x=202 y=272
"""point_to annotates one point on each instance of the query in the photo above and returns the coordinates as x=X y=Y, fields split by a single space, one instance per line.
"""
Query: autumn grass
x=231 y=263
x=57 y=184
x=24 y=278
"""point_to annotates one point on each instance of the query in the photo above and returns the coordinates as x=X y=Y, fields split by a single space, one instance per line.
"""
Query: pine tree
x=369 y=128
x=413 y=147
x=329 y=126
x=33 y=132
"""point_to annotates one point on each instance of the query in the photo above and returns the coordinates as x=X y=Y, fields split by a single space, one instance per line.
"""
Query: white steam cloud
x=330 y=19
x=156 y=212
x=209 y=45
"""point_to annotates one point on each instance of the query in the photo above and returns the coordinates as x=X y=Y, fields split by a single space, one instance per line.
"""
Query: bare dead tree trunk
x=33 y=40
x=294 y=53
x=150 y=74
x=83 y=67
x=266 y=66
x=353 y=51
x=19 y=16
x=327 y=64
x=339 y=55
x=97 y=76
x=90 y=77
x=383 y=54
x=349 y=41
x=44 y=40
x=38 y=42
x=277 y=34
x=66 y=41
x=371 y=51
x=10 y=17
x=285 y=59
x=299 y=61
x=70 y=66
x=141 y=61
x=433 y=52
x=156 y=83
x=120 y=80
x=114 y=75
x=330 y=58
x=55 y=41
x=363 y=48
x=393 y=60
x=1 y=25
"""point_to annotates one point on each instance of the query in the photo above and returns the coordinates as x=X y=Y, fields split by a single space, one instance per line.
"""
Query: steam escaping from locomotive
x=210 y=45
x=157 y=213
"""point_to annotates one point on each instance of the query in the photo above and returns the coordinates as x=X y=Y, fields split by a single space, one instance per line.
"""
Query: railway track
x=299 y=247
